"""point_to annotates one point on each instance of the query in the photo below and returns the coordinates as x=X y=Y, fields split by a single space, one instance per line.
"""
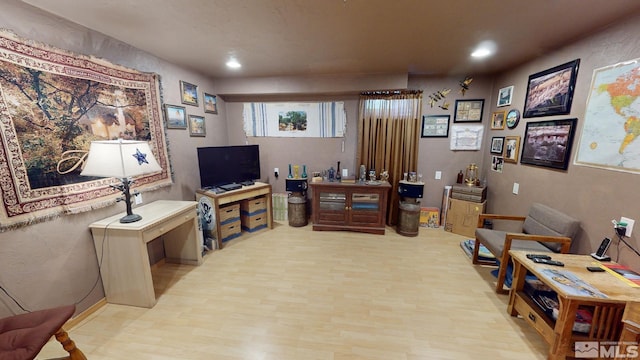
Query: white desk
x=125 y=268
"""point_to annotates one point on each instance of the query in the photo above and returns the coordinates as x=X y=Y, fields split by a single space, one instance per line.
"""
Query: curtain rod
x=391 y=92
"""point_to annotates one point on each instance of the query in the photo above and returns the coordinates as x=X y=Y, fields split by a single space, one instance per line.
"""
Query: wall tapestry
x=321 y=119
x=610 y=136
x=52 y=105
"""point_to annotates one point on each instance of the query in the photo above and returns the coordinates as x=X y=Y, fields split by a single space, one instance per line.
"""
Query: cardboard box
x=462 y=217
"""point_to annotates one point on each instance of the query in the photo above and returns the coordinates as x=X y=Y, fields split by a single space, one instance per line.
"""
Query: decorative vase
x=296 y=171
x=338 y=175
x=304 y=171
x=290 y=176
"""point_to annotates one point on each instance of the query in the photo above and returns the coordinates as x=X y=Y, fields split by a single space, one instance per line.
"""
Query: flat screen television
x=223 y=165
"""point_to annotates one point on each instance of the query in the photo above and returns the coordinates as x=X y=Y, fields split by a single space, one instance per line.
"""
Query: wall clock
x=513 y=117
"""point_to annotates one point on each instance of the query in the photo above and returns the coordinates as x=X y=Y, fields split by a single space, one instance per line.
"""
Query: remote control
x=548 y=262
x=538 y=256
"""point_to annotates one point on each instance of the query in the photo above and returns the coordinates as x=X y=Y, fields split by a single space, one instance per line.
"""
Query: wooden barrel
x=408 y=219
x=297 y=212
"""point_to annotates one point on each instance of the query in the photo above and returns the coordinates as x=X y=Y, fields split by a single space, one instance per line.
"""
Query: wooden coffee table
x=607 y=311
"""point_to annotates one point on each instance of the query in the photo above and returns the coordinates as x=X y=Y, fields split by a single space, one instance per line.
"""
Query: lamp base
x=129 y=218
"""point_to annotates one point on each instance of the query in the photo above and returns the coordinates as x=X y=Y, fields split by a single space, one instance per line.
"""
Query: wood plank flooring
x=294 y=293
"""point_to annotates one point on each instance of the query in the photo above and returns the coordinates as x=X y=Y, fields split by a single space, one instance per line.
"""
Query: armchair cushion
x=493 y=240
x=543 y=220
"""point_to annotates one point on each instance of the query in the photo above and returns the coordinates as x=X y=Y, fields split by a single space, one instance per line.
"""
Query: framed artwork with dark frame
x=550 y=92
x=511 y=149
x=176 y=116
x=497 y=120
x=435 y=125
x=196 y=126
x=548 y=143
x=210 y=103
x=468 y=110
x=497 y=143
x=505 y=95
x=188 y=93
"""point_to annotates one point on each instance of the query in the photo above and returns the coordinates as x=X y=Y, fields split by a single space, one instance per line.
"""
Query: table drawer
x=230 y=230
x=252 y=206
x=167 y=225
x=229 y=213
x=537 y=320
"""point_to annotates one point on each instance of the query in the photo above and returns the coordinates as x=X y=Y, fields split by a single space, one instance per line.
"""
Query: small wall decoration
x=497 y=120
x=196 y=126
x=438 y=96
x=468 y=110
x=435 y=126
x=188 y=93
x=504 y=96
x=511 y=149
x=513 y=117
x=496 y=144
x=464 y=85
x=550 y=92
x=548 y=143
x=210 y=103
x=176 y=116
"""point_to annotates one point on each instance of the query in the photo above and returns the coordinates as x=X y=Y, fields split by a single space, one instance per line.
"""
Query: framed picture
x=466 y=137
x=176 y=116
x=550 y=92
x=496 y=145
x=469 y=110
x=513 y=117
x=188 y=93
x=548 y=143
x=497 y=120
x=210 y=103
x=511 y=149
x=196 y=126
x=497 y=163
x=504 y=96
x=435 y=125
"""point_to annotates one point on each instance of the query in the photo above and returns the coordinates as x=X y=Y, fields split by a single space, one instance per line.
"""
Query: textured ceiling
x=314 y=37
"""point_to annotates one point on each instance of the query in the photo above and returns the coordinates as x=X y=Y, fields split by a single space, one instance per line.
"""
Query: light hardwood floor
x=294 y=293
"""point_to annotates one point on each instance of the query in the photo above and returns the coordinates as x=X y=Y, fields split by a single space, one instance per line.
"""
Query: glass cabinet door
x=333 y=201
x=365 y=202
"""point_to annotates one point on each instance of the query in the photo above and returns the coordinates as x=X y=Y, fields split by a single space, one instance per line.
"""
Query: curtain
x=388 y=137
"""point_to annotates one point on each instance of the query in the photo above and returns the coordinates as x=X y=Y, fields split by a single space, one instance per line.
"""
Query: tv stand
x=235 y=196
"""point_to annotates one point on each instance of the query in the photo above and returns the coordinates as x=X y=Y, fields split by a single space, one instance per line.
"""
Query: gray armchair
x=544 y=230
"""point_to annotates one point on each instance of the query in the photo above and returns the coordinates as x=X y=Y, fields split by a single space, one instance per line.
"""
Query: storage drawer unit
x=253 y=206
x=229 y=213
x=253 y=223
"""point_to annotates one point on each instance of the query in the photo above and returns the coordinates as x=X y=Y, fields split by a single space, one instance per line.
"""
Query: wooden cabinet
x=345 y=206
x=630 y=336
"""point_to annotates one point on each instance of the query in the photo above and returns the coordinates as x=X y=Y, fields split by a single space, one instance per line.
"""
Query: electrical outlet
x=438 y=175
x=138 y=198
x=629 y=226
x=516 y=188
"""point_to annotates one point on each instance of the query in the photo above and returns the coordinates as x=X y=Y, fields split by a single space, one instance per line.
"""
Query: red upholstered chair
x=23 y=336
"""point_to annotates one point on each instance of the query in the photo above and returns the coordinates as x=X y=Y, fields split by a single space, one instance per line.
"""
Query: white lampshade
x=120 y=158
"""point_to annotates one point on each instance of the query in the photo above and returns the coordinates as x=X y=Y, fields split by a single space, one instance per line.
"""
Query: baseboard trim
x=74 y=321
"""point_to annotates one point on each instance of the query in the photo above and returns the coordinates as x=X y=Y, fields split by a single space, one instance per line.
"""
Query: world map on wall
x=611 y=131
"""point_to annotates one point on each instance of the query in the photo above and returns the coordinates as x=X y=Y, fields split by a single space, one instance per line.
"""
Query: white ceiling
x=313 y=37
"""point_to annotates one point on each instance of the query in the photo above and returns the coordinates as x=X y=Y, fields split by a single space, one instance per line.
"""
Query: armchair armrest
x=482 y=217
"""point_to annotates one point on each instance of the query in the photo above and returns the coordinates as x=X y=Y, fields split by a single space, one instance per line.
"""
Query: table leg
x=517 y=284
x=562 y=344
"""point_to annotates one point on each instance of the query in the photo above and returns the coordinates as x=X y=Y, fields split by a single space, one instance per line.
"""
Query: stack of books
x=469 y=193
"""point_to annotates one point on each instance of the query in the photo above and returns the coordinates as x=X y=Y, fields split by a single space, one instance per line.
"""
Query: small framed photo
x=497 y=163
x=497 y=144
x=550 y=92
x=497 y=120
x=548 y=143
x=176 y=116
x=435 y=125
x=210 y=103
x=511 y=149
x=188 y=93
x=196 y=126
x=469 y=110
x=504 y=96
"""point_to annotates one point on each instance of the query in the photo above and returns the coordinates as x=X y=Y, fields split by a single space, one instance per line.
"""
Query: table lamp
x=122 y=159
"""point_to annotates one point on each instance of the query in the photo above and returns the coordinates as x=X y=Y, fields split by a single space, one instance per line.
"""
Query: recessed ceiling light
x=484 y=49
x=234 y=64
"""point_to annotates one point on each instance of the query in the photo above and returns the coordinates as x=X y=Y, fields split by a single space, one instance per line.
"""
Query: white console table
x=122 y=248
